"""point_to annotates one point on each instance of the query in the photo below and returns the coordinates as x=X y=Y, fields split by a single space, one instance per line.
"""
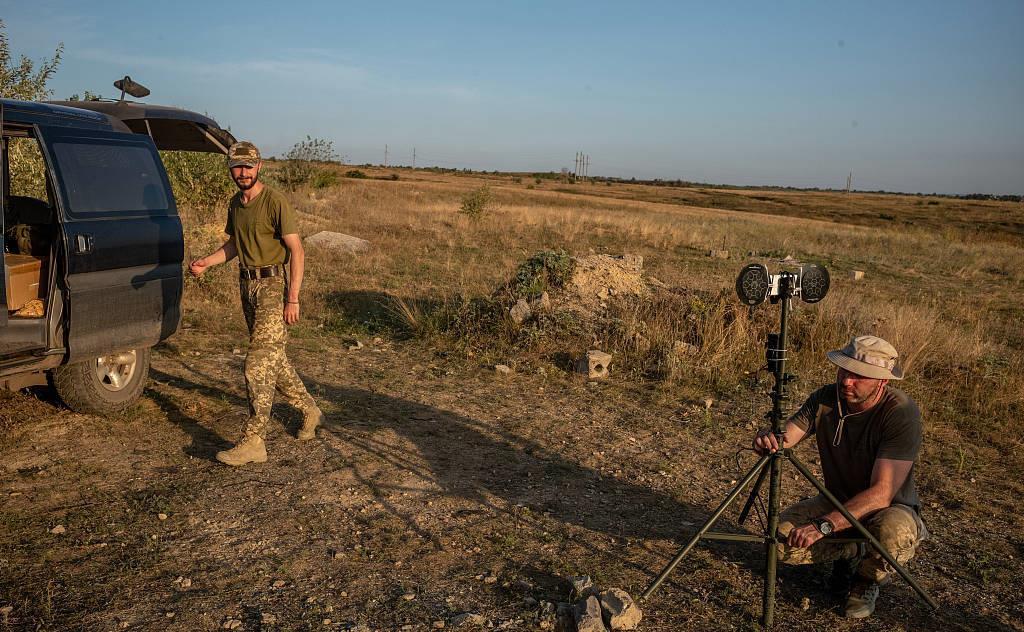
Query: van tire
x=103 y=386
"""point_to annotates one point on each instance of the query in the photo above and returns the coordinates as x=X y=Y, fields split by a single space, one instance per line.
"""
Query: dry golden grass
x=948 y=302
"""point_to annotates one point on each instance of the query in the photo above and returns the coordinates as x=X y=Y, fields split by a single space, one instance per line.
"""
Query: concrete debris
x=520 y=311
x=619 y=610
x=856 y=275
x=588 y=616
x=338 y=241
x=718 y=254
x=594 y=364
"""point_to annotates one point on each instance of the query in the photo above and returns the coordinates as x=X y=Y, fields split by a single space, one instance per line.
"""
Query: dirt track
x=436 y=488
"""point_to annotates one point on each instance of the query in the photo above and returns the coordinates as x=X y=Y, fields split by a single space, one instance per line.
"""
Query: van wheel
x=103 y=386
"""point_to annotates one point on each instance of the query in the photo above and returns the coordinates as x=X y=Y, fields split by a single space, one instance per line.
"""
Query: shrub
x=355 y=173
x=477 y=202
x=200 y=181
x=324 y=178
x=304 y=161
x=544 y=270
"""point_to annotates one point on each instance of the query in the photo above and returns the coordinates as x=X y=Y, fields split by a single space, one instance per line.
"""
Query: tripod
x=770 y=465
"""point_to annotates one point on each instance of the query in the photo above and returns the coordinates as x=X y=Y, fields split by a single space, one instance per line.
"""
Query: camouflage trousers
x=897 y=527
x=266 y=366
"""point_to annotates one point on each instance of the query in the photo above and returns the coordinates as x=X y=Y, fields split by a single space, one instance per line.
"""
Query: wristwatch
x=823 y=525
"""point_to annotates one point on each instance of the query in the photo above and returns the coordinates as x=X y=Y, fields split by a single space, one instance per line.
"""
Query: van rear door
x=121 y=237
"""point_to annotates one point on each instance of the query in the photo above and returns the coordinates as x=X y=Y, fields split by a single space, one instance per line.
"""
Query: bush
x=355 y=173
x=304 y=161
x=324 y=178
x=200 y=181
x=545 y=270
x=477 y=203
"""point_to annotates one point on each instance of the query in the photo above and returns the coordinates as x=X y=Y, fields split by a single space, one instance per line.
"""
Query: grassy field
x=434 y=474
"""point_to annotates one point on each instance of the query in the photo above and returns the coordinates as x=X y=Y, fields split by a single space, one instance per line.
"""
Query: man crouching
x=868 y=435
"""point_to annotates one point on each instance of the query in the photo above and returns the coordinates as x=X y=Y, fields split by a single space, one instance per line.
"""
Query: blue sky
x=919 y=97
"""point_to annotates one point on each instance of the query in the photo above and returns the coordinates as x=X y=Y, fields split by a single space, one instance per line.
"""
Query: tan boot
x=860 y=604
x=313 y=418
x=250 y=449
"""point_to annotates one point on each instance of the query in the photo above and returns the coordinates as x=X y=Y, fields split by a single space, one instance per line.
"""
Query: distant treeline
x=658 y=182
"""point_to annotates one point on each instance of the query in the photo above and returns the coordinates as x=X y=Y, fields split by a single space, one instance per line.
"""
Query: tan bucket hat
x=868 y=356
x=243 y=153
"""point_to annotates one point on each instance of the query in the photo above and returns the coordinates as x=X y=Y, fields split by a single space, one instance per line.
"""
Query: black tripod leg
x=707 y=525
x=755 y=491
x=864 y=532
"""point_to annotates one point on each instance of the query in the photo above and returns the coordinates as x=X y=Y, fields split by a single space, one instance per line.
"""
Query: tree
x=23 y=79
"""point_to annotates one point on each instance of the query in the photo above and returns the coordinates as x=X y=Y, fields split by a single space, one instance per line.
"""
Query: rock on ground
x=588 y=616
x=338 y=241
x=619 y=609
x=594 y=364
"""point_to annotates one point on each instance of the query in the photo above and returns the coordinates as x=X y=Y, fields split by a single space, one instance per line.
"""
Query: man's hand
x=765 y=442
x=291 y=313
x=198 y=267
x=803 y=537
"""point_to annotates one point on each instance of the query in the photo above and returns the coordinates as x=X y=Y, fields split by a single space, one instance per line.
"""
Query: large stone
x=594 y=364
x=338 y=241
x=580 y=583
x=619 y=610
x=520 y=311
x=588 y=616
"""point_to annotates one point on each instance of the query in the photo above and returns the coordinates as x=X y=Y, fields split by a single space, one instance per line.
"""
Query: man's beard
x=251 y=184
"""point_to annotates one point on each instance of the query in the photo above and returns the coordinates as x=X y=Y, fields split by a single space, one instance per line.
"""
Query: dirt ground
x=436 y=488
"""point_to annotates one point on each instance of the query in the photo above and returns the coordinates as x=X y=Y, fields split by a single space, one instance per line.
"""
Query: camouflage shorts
x=897 y=527
x=266 y=366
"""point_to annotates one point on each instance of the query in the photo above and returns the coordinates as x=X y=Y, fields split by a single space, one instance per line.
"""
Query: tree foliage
x=22 y=78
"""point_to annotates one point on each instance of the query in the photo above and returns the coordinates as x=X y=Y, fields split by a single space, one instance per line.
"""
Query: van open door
x=172 y=129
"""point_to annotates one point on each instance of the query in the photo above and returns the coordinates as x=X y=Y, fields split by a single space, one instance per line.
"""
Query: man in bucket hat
x=263 y=234
x=868 y=435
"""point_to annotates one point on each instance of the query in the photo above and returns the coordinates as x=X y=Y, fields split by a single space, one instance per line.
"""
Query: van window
x=110 y=178
x=27 y=176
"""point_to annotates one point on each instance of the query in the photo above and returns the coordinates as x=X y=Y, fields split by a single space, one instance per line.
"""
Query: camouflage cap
x=243 y=153
x=868 y=356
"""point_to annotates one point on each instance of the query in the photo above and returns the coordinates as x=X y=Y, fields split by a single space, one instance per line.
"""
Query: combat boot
x=860 y=604
x=313 y=417
x=250 y=449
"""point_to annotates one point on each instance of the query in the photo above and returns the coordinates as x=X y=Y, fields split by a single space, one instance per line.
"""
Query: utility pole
x=385 y=154
x=576 y=168
x=413 y=157
x=849 y=182
x=586 y=168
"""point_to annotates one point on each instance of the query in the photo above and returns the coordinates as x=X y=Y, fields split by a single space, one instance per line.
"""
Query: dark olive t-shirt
x=891 y=429
x=258 y=226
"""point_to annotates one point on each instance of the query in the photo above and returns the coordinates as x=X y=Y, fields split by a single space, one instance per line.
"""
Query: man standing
x=263 y=234
x=868 y=435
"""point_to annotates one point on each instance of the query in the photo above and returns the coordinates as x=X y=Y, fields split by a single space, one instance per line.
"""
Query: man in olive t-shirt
x=869 y=435
x=263 y=234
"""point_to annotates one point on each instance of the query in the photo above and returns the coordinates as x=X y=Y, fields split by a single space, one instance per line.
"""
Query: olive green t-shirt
x=258 y=227
x=891 y=429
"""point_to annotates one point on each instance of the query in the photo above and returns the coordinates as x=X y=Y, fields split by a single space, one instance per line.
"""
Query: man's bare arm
x=296 y=267
x=225 y=253
x=887 y=476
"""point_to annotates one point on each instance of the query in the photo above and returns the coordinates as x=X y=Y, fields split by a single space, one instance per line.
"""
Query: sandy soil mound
x=596 y=278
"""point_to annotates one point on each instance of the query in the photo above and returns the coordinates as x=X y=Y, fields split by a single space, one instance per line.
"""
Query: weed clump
x=547 y=269
x=477 y=203
x=355 y=173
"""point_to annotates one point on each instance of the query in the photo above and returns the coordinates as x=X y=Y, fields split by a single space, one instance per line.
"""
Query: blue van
x=93 y=254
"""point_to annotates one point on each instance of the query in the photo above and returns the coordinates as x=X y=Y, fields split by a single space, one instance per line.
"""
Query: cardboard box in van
x=23 y=273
